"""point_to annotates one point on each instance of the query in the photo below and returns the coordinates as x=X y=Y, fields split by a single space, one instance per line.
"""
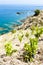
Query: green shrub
x=8 y=48
x=36 y=12
x=30 y=49
x=27 y=34
x=20 y=37
x=28 y=52
x=37 y=31
x=33 y=44
x=32 y=28
x=13 y=31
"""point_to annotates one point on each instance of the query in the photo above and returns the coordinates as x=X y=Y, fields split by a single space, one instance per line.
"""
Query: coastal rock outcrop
x=32 y=20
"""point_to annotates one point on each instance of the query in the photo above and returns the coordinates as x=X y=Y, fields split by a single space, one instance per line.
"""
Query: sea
x=9 y=17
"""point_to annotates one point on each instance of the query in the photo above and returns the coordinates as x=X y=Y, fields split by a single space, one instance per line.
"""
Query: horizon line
x=25 y=4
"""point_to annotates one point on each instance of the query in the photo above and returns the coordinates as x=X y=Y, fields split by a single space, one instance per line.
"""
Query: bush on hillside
x=30 y=49
x=37 y=31
x=36 y=12
x=20 y=37
x=8 y=48
x=27 y=34
x=13 y=31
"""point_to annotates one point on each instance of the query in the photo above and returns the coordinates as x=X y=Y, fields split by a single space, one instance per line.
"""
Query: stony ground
x=16 y=58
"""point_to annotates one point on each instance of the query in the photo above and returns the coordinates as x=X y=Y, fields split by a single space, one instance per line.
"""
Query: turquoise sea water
x=9 y=18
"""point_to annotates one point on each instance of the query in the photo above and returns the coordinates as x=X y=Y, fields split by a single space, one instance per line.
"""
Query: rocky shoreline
x=32 y=20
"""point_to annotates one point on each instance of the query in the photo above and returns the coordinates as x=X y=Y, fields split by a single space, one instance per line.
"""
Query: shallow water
x=9 y=18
